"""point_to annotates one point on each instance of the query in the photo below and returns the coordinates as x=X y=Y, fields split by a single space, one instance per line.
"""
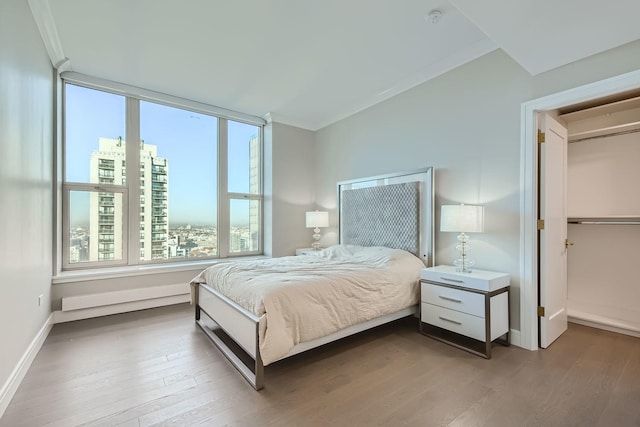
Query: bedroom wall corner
x=288 y=188
x=465 y=124
x=614 y=62
x=26 y=193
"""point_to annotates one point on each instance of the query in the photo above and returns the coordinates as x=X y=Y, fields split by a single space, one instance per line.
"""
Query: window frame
x=131 y=190
x=67 y=188
x=245 y=196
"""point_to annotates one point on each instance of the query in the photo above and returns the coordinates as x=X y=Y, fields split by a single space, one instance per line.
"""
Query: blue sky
x=186 y=139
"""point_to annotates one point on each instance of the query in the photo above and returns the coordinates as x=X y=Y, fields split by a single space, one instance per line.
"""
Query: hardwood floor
x=155 y=367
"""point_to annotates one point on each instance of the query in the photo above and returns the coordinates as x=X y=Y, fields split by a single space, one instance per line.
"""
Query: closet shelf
x=606 y=220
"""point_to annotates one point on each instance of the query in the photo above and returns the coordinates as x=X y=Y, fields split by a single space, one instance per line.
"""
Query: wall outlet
x=40 y=299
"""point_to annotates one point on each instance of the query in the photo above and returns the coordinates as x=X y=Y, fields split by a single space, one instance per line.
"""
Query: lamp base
x=462 y=269
x=463 y=263
x=316 y=240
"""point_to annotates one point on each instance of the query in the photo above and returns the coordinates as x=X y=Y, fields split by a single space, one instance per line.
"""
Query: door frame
x=529 y=188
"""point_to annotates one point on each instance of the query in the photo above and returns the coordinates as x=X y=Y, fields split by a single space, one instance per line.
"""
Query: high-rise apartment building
x=154 y=200
x=108 y=166
x=254 y=188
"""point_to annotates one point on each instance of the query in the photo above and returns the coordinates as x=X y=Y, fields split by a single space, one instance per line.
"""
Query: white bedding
x=302 y=298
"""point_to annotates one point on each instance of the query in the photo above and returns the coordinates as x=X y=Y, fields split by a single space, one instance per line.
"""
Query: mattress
x=299 y=299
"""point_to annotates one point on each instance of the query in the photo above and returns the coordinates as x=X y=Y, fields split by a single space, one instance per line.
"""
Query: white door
x=553 y=237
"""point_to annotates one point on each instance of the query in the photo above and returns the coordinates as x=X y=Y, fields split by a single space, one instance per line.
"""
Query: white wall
x=289 y=188
x=466 y=124
x=613 y=62
x=603 y=177
x=26 y=140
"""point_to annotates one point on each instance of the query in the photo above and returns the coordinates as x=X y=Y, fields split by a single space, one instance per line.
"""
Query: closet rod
x=586 y=138
x=606 y=222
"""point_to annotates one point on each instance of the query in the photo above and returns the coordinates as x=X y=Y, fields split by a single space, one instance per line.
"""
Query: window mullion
x=247 y=196
x=133 y=180
x=223 y=188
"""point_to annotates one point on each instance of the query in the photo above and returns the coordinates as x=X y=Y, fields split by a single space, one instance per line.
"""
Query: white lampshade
x=462 y=218
x=317 y=219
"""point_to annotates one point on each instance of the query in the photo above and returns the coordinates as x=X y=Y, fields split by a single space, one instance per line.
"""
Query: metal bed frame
x=242 y=326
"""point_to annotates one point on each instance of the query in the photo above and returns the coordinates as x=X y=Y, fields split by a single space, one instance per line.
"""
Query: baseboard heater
x=106 y=303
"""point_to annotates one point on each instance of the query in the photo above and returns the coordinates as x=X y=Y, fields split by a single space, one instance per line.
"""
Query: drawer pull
x=449 y=298
x=450 y=320
x=452 y=280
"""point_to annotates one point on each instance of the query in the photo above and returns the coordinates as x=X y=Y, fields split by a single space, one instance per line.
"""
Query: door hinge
x=540 y=311
x=540 y=136
x=541 y=224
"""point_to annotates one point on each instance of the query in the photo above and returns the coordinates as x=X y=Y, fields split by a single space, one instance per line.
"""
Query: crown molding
x=44 y=20
x=272 y=117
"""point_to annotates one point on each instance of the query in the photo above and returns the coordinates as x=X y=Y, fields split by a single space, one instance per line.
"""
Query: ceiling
x=310 y=63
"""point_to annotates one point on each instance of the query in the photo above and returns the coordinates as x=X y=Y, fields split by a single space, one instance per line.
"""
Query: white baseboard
x=605 y=324
x=515 y=338
x=88 y=313
x=10 y=387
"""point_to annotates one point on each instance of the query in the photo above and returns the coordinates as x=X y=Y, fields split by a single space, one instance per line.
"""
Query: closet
x=603 y=206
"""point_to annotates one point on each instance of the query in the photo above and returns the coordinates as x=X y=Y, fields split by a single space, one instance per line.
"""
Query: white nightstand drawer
x=461 y=323
x=473 y=304
x=456 y=299
x=477 y=279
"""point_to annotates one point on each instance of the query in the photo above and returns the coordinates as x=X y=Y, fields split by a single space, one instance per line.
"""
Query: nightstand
x=466 y=310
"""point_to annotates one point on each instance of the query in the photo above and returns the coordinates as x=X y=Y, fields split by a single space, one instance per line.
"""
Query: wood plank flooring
x=155 y=367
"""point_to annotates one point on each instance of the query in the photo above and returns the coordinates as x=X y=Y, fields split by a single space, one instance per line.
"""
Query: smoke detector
x=434 y=16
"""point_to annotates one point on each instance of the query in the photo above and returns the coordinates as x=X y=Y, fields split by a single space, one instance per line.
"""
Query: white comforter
x=302 y=298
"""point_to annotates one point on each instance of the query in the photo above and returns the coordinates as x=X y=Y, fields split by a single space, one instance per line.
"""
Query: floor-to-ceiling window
x=148 y=181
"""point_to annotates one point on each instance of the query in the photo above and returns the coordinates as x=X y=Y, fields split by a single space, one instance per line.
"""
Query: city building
x=254 y=188
x=246 y=237
x=108 y=166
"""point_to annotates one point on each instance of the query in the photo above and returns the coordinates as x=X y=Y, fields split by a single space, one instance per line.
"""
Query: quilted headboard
x=393 y=210
x=382 y=216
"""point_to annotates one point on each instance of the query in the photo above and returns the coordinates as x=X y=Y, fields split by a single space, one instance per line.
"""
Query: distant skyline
x=91 y=114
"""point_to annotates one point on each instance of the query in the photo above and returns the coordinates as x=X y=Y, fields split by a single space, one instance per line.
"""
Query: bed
x=274 y=308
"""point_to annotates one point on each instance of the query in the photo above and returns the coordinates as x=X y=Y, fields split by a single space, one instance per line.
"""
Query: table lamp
x=315 y=220
x=462 y=219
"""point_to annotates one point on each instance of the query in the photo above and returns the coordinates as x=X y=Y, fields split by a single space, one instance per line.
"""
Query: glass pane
x=95 y=226
x=244 y=158
x=244 y=235
x=94 y=133
x=178 y=183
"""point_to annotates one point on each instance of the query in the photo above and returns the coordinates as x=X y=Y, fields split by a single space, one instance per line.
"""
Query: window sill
x=137 y=270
